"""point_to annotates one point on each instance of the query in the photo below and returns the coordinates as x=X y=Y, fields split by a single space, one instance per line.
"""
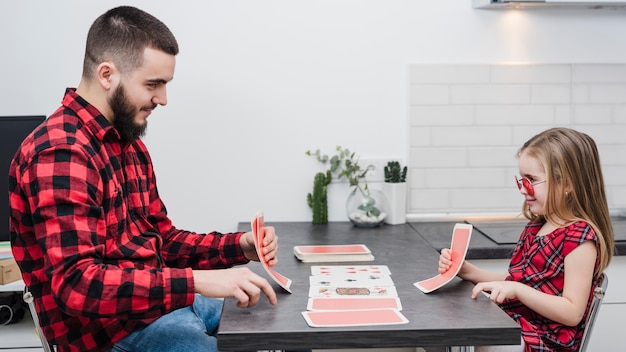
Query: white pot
x=396 y=202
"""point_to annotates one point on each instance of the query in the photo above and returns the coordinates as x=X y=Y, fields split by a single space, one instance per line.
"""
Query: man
x=106 y=266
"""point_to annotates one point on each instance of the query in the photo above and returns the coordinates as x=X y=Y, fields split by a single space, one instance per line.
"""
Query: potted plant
x=394 y=188
x=364 y=207
x=318 y=199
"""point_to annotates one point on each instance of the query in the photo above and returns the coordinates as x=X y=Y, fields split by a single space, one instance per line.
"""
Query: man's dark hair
x=120 y=35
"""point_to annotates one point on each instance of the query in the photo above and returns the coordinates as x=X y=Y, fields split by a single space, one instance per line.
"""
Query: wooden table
x=446 y=317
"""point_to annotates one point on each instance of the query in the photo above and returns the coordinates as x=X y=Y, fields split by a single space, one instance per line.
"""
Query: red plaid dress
x=539 y=262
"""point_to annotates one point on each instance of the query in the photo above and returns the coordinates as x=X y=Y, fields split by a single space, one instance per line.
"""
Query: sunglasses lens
x=524 y=182
x=529 y=187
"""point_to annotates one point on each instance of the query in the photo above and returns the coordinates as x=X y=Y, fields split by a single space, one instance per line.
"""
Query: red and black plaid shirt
x=92 y=236
x=539 y=262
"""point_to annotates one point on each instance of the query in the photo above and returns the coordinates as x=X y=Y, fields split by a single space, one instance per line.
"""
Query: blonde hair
x=575 y=184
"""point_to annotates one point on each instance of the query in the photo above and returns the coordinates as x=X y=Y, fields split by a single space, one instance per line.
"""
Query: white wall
x=468 y=121
x=260 y=82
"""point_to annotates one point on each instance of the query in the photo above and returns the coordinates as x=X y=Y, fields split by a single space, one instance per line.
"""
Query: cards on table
x=352 y=295
x=358 y=280
x=338 y=318
x=333 y=253
x=374 y=291
x=353 y=303
x=461 y=236
x=350 y=269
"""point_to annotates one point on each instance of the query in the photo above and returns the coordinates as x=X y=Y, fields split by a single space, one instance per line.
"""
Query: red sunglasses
x=529 y=186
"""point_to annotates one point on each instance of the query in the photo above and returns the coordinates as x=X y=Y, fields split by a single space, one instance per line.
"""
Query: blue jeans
x=188 y=329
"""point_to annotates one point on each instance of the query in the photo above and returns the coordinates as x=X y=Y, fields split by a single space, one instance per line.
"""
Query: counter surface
x=496 y=239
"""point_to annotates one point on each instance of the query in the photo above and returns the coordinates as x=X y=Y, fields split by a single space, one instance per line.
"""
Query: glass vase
x=366 y=207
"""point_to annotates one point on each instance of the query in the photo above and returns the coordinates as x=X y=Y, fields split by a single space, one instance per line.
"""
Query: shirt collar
x=89 y=115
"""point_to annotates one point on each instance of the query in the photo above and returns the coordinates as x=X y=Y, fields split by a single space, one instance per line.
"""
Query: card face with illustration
x=373 y=291
x=363 y=280
x=350 y=270
x=353 y=303
x=258 y=231
x=354 y=317
x=461 y=236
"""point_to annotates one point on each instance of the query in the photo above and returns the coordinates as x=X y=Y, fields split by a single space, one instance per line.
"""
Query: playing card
x=460 y=242
x=348 y=280
x=354 y=317
x=350 y=270
x=373 y=291
x=333 y=249
x=353 y=303
x=258 y=232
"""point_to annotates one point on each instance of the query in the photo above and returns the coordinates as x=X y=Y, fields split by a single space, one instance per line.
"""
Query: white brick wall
x=467 y=122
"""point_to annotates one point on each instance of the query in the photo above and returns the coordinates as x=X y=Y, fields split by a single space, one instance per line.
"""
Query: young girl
x=563 y=249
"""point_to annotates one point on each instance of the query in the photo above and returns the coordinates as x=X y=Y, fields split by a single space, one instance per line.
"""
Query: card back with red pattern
x=461 y=236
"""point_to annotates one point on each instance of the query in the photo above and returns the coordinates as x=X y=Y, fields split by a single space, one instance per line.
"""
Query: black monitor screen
x=13 y=130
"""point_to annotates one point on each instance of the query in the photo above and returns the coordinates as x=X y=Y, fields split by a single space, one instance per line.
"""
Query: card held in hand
x=258 y=230
x=460 y=242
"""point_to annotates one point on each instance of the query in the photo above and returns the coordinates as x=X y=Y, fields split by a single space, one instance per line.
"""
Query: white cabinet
x=22 y=336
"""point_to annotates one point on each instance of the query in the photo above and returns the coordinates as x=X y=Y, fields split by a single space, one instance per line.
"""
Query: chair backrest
x=28 y=298
x=598 y=296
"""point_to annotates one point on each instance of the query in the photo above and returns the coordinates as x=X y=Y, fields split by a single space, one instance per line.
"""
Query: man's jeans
x=188 y=329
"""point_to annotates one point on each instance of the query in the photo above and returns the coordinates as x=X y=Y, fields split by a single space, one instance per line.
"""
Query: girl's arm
x=468 y=270
x=567 y=309
x=475 y=274
x=570 y=308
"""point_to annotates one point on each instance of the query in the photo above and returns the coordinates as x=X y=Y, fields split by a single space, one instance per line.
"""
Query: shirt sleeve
x=187 y=249
x=64 y=191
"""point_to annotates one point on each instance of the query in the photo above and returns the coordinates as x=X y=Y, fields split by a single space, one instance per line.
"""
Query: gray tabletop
x=446 y=317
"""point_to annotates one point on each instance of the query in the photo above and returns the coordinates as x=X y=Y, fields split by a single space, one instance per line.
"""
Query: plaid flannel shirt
x=92 y=236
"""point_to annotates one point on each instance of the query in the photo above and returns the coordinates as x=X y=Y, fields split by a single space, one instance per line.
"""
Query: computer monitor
x=13 y=130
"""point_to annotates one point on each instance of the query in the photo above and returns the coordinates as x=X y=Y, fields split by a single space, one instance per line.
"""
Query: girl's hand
x=498 y=290
x=445 y=260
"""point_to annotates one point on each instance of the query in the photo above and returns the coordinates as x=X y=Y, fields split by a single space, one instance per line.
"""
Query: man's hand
x=270 y=246
x=239 y=283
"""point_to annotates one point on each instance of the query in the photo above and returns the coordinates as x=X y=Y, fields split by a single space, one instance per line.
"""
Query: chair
x=28 y=298
x=598 y=296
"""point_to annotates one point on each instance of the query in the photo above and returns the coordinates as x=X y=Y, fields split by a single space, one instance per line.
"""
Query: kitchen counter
x=495 y=239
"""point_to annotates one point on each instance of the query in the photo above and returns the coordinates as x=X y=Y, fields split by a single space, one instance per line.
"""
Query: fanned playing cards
x=460 y=242
x=259 y=232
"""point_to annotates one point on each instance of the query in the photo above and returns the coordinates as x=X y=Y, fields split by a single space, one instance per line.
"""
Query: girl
x=563 y=249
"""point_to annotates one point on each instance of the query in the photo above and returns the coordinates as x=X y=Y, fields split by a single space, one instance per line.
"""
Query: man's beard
x=124 y=116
